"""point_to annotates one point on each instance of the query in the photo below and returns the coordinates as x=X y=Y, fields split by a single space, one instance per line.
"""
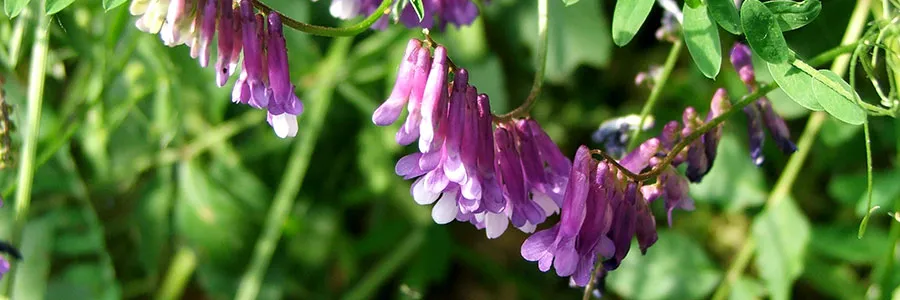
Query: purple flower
x=759 y=113
x=755 y=132
x=409 y=132
x=252 y=34
x=698 y=163
x=711 y=138
x=225 y=42
x=572 y=245
x=674 y=188
x=4 y=267
x=207 y=29
x=284 y=105
x=389 y=111
x=777 y=128
x=434 y=100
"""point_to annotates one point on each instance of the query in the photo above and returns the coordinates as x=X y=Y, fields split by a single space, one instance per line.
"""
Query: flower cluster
x=759 y=113
x=264 y=81
x=479 y=174
x=603 y=209
x=457 y=12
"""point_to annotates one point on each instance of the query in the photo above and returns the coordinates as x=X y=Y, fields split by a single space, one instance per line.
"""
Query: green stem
x=296 y=171
x=538 y=83
x=183 y=265
x=382 y=10
x=382 y=272
x=589 y=288
x=804 y=145
x=884 y=271
x=656 y=91
x=32 y=130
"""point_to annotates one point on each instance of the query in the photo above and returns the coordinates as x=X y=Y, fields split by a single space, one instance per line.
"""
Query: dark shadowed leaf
x=726 y=15
x=418 y=8
x=628 y=17
x=792 y=14
x=676 y=267
x=763 y=34
x=702 y=39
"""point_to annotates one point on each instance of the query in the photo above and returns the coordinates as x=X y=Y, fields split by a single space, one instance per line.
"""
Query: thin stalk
x=882 y=273
x=179 y=273
x=589 y=288
x=383 y=270
x=296 y=171
x=382 y=10
x=795 y=163
x=538 y=83
x=656 y=91
x=36 y=76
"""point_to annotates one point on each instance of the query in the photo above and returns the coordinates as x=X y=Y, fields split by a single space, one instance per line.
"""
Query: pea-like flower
x=245 y=38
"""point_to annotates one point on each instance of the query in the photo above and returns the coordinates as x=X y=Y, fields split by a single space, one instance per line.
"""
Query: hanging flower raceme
x=476 y=173
x=603 y=210
x=456 y=12
x=759 y=113
x=264 y=80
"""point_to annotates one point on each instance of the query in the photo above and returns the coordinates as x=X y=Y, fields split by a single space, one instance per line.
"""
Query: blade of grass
x=299 y=160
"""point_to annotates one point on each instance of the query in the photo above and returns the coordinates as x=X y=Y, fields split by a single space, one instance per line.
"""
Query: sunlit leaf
x=726 y=15
x=796 y=84
x=702 y=39
x=54 y=6
x=628 y=17
x=792 y=14
x=763 y=34
x=14 y=7
x=111 y=4
x=836 y=103
x=570 y=2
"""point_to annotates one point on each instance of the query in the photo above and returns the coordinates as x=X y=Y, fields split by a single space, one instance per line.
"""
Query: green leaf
x=418 y=8
x=835 y=102
x=796 y=84
x=628 y=17
x=702 y=39
x=836 y=280
x=575 y=37
x=747 y=288
x=726 y=15
x=14 y=7
x=763 y=35
x=839 y=241
x=850 y=189
x=569 y=2
x=792 y=14
x=781 y=235
x=34 y=269
x=676 y=267
x=111 y=4
x=54 y=6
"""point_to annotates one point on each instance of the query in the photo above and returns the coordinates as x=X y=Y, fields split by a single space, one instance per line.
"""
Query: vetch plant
x=580 y=213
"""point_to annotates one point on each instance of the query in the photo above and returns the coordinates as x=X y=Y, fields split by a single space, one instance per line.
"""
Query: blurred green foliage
x=152 y=184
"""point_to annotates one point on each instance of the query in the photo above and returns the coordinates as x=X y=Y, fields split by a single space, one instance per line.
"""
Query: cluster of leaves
x=150 y=182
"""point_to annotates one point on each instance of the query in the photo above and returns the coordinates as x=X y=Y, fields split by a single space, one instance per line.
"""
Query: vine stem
x=36 y=76
x=382 y=10
x=804 y=145
x=538 y=83
x=656 y=91
x=298 y=163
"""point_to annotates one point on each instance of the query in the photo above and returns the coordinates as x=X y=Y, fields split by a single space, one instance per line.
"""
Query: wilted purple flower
x=615 y=133
x=759 y=113
x=711 y=138
x=674 y=188
x=226 y=25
